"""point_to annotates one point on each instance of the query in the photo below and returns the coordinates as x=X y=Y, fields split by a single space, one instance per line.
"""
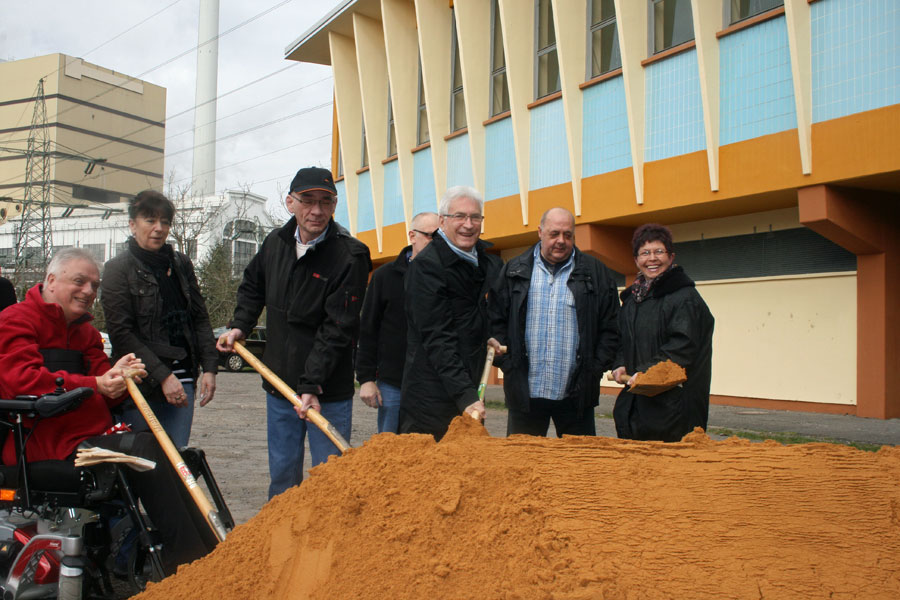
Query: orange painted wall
x=755 y=175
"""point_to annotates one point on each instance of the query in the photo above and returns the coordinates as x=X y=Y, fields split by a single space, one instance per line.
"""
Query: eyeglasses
x=476 y=219
x=658 y=252
x=426 y=234
x=326 y=203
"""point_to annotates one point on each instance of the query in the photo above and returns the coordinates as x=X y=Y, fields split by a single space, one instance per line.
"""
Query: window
x=422 y=129
x=392 y=131
x=547 y=63
x=604 y=38
x=672 y=23
x=364 y=159
x=340 y=165
x=743 y=9
x=83 y=192
x=457 y=99
x=98 y=251
x=243 y=252
x=499 y=87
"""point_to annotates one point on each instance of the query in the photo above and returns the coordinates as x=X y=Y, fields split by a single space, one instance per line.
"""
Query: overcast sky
x=263 y=158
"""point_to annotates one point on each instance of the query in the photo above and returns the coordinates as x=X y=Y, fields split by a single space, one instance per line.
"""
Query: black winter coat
x=312 y=308
x=673 y=323
x=596 y=309
x=382 y=330
x=446 y=310
x=133 y=309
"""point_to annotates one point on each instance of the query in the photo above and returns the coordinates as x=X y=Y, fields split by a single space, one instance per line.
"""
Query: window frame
x=391 y=130
x=651 y=28
x=364 y=151
x=728 y=15
x=421 y=107
x=540 y=52
x=455 y=92
x=591 y=28
x=499 y=71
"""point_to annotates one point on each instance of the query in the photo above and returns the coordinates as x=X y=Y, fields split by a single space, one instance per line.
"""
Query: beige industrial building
x=92 y=113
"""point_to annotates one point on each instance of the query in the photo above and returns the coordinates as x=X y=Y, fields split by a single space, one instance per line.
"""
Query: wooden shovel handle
x=174 y=456
x=285 y=390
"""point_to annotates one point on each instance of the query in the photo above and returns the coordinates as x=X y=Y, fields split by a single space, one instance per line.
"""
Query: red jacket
x=27 y=327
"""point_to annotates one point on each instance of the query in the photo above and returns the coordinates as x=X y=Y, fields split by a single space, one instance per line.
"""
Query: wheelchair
x=71 y=532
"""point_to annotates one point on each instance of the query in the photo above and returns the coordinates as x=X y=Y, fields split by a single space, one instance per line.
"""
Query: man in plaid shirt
x=555 y=309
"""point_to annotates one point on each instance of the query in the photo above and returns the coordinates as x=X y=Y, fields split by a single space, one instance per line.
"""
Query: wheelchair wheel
x=140 y=569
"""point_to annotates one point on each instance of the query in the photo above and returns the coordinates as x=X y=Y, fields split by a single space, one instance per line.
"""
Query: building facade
x=763 y=132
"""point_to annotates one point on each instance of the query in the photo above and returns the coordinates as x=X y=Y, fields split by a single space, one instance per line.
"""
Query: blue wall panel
x=757 y=93
x=423 y=182
x=549 y=163
x=605 y=144
x=341 y=214
x=365 y=212
x=855 y=56
x=501 y=179
x=459 y=162
x=674 y=122
x=393 y=197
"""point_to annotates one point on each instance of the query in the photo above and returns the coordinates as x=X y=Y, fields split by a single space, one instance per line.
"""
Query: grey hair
x=63 y=257
x=416 y=219
x=457 y=192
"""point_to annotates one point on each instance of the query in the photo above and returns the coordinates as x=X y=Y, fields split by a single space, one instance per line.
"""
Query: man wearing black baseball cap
x=310 y=276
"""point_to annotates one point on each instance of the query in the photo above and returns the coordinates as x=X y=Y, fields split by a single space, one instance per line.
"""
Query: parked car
x=255 y=342
x=107 y=346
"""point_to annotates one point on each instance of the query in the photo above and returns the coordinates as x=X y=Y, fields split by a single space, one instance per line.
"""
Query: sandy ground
x=232 y=431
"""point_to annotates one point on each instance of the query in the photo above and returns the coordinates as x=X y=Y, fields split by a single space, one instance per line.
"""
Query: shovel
x=651 y=389
x=482 y=386
x=283 y=388
x=171 y=452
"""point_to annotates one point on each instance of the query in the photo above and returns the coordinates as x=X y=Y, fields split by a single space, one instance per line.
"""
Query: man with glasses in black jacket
x=446 y=308
x=310 y=276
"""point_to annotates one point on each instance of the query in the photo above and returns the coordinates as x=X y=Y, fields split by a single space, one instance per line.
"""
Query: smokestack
x=204 y=168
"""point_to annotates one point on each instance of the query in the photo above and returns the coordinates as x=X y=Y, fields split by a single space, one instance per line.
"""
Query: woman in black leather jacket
x=153 y=308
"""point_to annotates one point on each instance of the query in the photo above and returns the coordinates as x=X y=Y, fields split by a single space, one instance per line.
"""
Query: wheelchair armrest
x=50 y=405
x=20 y=405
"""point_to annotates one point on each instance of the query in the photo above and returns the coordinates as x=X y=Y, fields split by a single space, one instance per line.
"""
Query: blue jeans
x=286 y=432
x=176 y=420
x=389 y=411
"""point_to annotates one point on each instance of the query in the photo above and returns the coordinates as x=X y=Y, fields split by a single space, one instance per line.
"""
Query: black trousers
x=183 y=531
x=563 y=412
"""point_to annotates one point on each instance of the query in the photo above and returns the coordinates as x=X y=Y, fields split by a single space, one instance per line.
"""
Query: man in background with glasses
x=446 y=308
x=382 y=333
x=310 y=276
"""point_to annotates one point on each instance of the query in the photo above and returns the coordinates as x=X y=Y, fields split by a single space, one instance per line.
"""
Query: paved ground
x=232 y=431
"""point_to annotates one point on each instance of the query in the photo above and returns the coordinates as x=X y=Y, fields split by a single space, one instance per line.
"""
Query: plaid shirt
x=551 y=330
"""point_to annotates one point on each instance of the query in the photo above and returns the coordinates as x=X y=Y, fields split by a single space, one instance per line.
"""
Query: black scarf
x=175 y=308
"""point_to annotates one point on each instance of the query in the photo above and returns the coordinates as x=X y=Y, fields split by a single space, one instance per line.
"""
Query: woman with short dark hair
x=153 y=308
x=662 y=318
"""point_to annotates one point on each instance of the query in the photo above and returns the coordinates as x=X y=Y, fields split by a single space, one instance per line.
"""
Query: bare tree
x=193 y=217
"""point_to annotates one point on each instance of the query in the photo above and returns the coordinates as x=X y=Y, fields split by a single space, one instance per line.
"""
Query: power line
x=130 y=78
x=235 y=134
x=55 y=71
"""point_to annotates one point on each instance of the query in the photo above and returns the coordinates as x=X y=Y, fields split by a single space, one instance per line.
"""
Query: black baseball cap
x=313 y=178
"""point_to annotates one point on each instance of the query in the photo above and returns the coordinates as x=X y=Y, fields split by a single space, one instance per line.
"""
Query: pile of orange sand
x=586 y=518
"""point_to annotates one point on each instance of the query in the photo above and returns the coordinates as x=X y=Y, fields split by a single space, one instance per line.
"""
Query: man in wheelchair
x=49 y=336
